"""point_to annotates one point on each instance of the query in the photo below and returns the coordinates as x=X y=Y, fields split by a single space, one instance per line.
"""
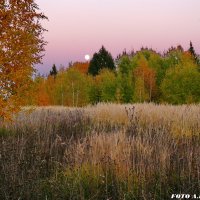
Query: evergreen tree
x=100 y=60
x=54 y=71
x=193 y=53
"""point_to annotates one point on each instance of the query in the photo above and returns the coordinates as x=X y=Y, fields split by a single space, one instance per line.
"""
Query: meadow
x=106 y=151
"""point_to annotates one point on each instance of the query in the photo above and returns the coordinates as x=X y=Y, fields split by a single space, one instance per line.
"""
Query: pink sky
x=80 y=27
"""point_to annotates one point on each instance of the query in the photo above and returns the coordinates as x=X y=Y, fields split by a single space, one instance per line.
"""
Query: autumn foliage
x=145 y=81
x=144 y=76
x=81 y=67
x=21 y=44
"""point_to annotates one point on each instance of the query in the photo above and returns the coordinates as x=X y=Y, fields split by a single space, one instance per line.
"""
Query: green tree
x=140 y=93
x=125 y=80
x=94 y=91
x=71 y=88
x=125 y=66
x=107 y=84
x=100 y=60
x=181 y=84
x=154 y=61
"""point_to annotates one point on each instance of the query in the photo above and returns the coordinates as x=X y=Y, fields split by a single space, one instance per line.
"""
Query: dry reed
x=107 y=151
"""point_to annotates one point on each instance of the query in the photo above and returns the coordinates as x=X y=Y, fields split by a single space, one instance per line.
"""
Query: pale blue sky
x=79 y=27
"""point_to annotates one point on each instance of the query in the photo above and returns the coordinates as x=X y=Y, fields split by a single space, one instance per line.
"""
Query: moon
x=87 y=57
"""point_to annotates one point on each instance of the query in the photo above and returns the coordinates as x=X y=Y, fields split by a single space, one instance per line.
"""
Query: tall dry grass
x=107 y=151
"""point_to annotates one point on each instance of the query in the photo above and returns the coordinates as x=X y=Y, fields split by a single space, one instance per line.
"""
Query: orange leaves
x=21 y=43
x=42 y=97
x=81 y=67
x=147 y=76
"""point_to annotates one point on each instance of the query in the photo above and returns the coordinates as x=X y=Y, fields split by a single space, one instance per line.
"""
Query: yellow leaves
x=20 y=43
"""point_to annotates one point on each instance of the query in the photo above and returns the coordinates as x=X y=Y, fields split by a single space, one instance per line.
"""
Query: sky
x=80 y=27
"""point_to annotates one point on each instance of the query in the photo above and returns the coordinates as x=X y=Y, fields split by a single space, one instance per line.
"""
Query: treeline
x=142 y=76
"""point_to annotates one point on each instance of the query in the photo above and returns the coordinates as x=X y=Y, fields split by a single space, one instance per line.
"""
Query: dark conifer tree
x=191 y=49
x=100 y=60
x=194 y=55
x=53 y=71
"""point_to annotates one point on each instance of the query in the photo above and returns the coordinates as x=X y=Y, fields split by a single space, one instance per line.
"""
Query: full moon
x=87 y=57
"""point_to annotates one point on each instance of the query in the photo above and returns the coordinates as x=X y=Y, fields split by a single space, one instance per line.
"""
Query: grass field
x=107 y=151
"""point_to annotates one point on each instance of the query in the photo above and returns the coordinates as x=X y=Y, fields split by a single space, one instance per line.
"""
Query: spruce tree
x=54 y=71
x=100 y=60
x=194 y=55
